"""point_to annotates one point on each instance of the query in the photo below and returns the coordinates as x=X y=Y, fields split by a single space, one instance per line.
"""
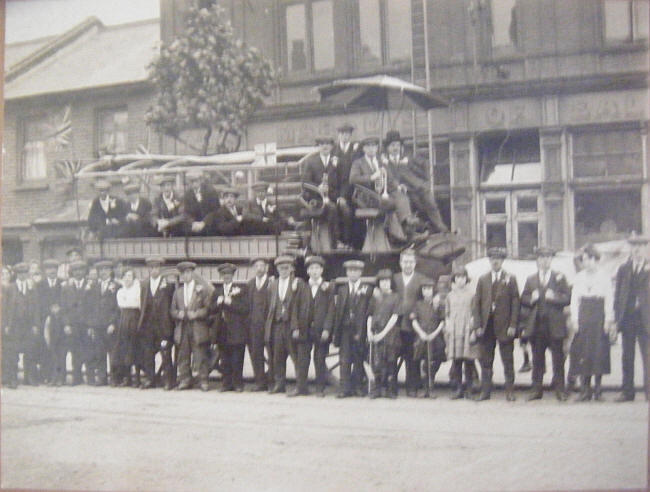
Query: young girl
x=383 y=336
x=428 y=322
x=128 y=300
x=461 y=343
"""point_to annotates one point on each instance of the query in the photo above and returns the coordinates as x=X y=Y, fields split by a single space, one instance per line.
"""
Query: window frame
x=23 y=122
x=634 y=36
x=99 y=112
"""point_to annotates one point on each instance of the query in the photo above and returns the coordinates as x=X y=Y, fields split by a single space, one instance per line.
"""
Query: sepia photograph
x=325 y=245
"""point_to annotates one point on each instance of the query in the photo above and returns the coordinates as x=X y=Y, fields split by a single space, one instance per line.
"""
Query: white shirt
x=135 y=205
x=496 y=276
x=153 y=284
x=544 y=277
x=51 y=282
x=373 y=163
x=188 y=291
x=129 y=297
x=344 y=146
x=169 y=202
x=314 y=285
x=105 y=203
x=226 y=289
x=354 y=287
x=259 y=281
x=407 y=278
x=283 y=285
x=198 y=195
x=262 y=203
x=325 y=159
x=22 y=286
x=104 y=285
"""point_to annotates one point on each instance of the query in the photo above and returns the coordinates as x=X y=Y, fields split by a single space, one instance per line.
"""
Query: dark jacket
x=258 y=304
x=344 y=166
x=629 y=288
x=230 y=320
x=551 y=309
x=102 y=307
x=223 y=222
x=75 y=306
x=174 y=215
x=23 y=313
x=199 y=304
x=49 y=297
x=297 y=302
x=142 y=225
x=196 y=211
x=409 y=295
x=313 y=172
x=351 y=312
x=97 y=217
x=321 y=311
x=155 y=315
x=506 y=304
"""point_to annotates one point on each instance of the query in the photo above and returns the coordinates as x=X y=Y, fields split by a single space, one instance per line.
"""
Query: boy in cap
x=200 y=200
x=383 y=336
x=546 y=293
x=107 y=213
x=258 y=297
x=285 y=330
x=168 y=209
x=496 y=314
x=352 y=301
x=228 y=219
x=321 y=318
x=229 y=307
x=155 y=326
x=138 y=221
x=632 y=313
x=189 y=308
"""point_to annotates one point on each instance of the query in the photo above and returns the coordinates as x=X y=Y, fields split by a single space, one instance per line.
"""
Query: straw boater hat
x=260 y=186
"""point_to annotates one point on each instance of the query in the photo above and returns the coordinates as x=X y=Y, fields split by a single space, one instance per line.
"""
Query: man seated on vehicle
x=137 y=222
x=261 y=216
x=168 y=209
x=107 y=213
x=228 y=219
x=200 y=200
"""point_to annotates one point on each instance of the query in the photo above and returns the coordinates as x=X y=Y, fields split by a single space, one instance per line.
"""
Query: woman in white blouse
x=592 y=314
x=122 y=350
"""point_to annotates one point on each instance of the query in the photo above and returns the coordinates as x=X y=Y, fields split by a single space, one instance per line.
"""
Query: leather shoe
x=510 y=396
x=484 y=395
x=276 y=389
x=344 y=394
x=457 y=395
x=561 y=395
x=239 y=389
x=261 y=387
x=296 y=392
x=223 y=389
x=535 y=395
x=622 y=398
x=184 y=386
x=205 y=386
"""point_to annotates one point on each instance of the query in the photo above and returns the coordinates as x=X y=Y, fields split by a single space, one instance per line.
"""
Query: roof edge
x=56 y=44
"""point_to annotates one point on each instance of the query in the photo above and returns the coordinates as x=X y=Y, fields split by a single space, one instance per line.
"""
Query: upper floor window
x=34 y=158
x=626 y=20
x=309 y=35
x=503 y=23
x=112 y=131
x=384 y=31
x=607 y=153
x=508 y=159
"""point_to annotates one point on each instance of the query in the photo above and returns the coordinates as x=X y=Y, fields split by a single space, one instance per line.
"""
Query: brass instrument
x=381 y=185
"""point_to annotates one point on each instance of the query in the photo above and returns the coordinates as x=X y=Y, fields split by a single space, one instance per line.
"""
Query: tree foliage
x=208 y=79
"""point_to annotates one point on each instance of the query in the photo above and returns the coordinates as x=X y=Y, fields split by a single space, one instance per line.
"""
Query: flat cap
x=102 y=185
x=427 y=282
x=495 y=252
x=345 y=128
x=544 y=251
x=358 y=264
x=392 y=136
x=637 y=239
x=230 y=190
x=384 y=273
x=445 y=280
x=315 y=259
x=132 y=189
x=50 y=263
x=166 y=178
x=74 y=249
x=170 y=271
x=186 y=265
x=21 y=267
x=78 y=265
x=104 y=264
x=194 y=174
x=370 y=141
x=260 y=186
x=255 y=259
x=324 y=139
x=154 y=260
x=227 y=268
x=283 y=259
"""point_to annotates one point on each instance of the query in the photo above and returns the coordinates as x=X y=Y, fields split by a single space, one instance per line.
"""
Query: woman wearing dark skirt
x=122 y=343
x=593 y=315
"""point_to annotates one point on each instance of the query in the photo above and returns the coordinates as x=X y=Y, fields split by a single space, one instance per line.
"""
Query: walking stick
x=370 y=360
x=429 y=367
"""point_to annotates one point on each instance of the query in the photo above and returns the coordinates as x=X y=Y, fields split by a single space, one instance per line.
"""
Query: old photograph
x=325 y=245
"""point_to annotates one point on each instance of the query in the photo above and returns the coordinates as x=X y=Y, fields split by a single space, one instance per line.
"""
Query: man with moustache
x=258 y=297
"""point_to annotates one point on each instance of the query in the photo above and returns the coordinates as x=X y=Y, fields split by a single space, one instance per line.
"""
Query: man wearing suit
x=229 y=306
x=351 y=313
x=321 y=318
x=632 y=312
x=227 y=220
x=412 y=175
x=546 y=293
x=189 y=309
x=75 y=307
x=104 y=313
x=286 y=327
x=156 y=327
x=258 y=298
x=138 y=221
x=496 y=313
x=168 y=209
x=408 y=285
x=49 y=295
x=320 y=169
x=22 y=325
x=107 y=213
x=259 y=215
x=199 y=201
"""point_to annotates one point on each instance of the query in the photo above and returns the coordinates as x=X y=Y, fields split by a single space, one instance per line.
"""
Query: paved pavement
x=128 y=439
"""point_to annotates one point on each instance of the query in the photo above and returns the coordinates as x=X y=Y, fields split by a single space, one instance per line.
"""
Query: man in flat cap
x=632 y=313
x=107 y=213
x=320 y=169
x=351 y=312
x=200 y=200
x=138 y=219
x=321 y=318
x=75 y=306
x=189 y=309
x=285 y=330
x=71 y=255
x=228 y=219
x=168 y=209
x=546 y=294
x=229 y=307
x=155 y=326
x=22 y=324
x=413 y=178
x=49 y=296
x=259 y=214
x=104 y=313
x=496 y=313
x=346 y=153
x=258 y=298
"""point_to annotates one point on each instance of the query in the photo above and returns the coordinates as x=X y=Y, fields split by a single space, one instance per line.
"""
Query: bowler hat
x=102 y=185
x=74 y=249
x=495 y=252
x=230 y=190
x=257 y=258
x=260 y=186
x=392 y=136
x=132 y=189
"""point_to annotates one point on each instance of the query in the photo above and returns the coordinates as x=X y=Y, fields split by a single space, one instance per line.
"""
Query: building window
x=34 y=158
x=508 y=159
x=626 y=20
x=503 y=23
x=606 y=215
x=384 y=31
x=309 y=34
x=608 y=153
x=112 y=131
